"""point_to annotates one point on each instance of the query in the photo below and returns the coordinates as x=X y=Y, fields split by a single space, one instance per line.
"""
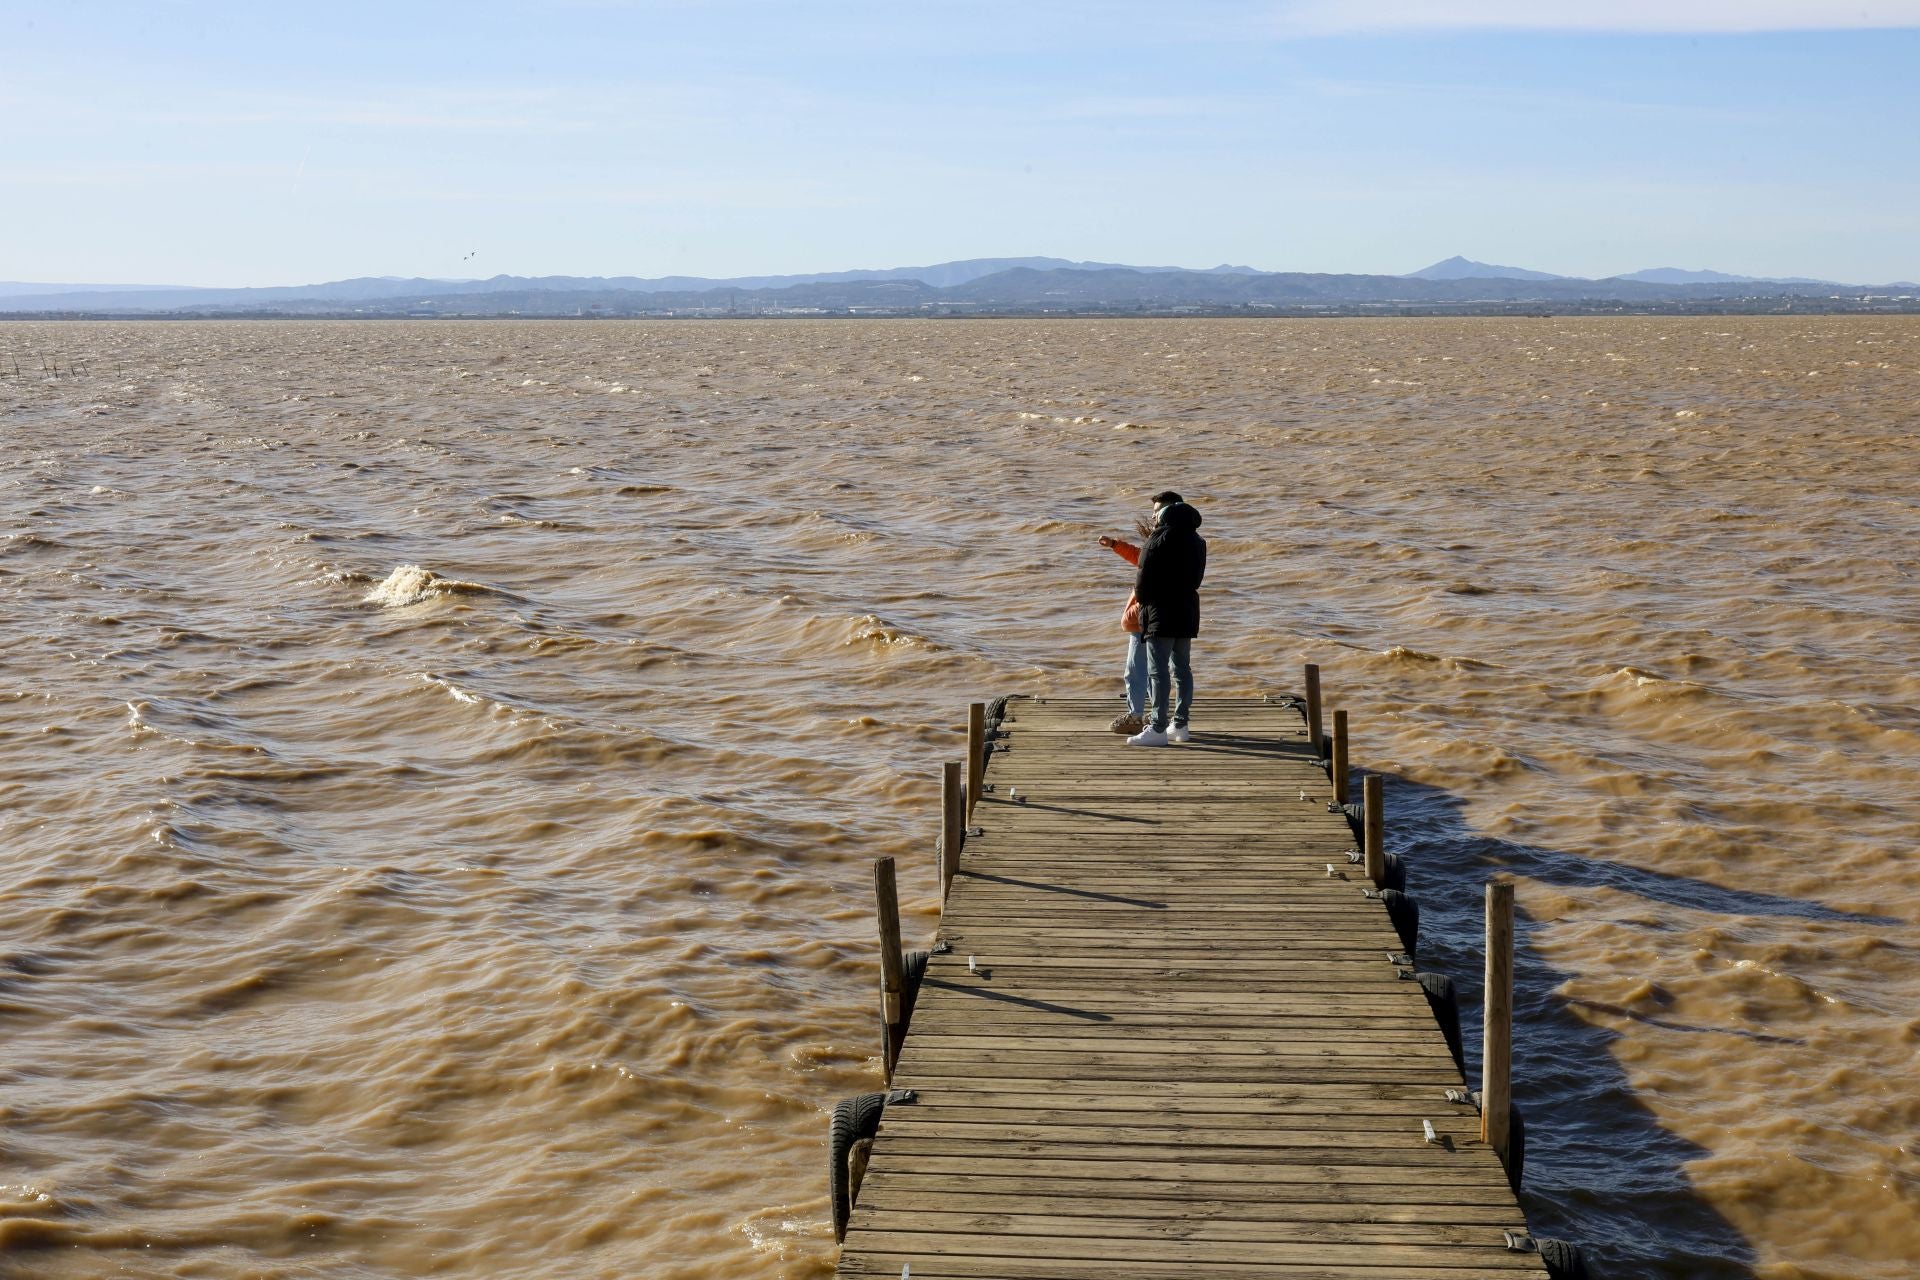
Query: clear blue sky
x=273 y=143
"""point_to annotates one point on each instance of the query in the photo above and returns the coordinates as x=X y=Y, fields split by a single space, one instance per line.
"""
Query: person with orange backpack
x=1134 y=676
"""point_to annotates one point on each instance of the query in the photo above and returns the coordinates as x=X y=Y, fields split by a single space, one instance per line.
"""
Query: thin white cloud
x=1514 y=98
x=1338 y=17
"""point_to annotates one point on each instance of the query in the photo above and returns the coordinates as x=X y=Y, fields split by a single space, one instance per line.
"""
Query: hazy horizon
x=223 y=146
x=10 y=287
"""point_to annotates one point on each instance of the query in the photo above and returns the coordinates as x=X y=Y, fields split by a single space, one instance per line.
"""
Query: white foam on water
x=455 y=691
x=410 y=584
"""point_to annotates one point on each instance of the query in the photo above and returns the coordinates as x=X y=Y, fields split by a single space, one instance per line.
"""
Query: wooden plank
x=1028 y=1197
x=1094 y=1049
x=1230 y=1028
x=936 y=1219
x=1298 y=1132
x=1460 y=1121
x=858 y=1262
x=1190 y=1251
x=1000 y=982
x=1189 y=1095
x=1170 y=1191
x=891 y=1266
x=1271 y=1071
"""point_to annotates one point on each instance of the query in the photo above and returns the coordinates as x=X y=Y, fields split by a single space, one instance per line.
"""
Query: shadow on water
x=1600 y=1168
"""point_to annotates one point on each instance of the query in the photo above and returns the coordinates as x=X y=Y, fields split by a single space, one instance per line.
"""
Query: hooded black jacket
x=1171 y=566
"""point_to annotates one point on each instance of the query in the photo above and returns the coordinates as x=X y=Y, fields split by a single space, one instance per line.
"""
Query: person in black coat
x=1172 y=565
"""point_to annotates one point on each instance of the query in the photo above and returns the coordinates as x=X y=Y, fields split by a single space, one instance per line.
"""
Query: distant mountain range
x=975 y=284
x=1458 y=268
x=941 y=275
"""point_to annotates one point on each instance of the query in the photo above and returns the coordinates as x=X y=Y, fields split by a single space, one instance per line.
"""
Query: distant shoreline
x=1877 y=306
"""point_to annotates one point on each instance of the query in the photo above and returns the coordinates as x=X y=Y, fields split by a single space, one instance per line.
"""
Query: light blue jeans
x=1162 y=649
x=1136 y=676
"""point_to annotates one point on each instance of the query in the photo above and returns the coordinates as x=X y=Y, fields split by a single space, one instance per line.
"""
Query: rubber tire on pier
x=913 y=967
x=1396 y=873
x=1446 y=1011
x=996 y=712
x=1564 y=1260
x=1516 y=1146
x=1404 y=912
x=854 y=1118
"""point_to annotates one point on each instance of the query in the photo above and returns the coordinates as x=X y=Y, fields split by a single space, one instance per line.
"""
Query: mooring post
x=1373 y=819
x=1315 y=735
x=886 y=897
x=976 y=753
x=1338 y=767
x=1496 y=1039
x=952 y=825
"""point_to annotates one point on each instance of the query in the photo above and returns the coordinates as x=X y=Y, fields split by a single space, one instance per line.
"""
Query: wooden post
x=886 y=896
x=976 y=753
x=1373 y=819
x=1496 y=1033
x=952 y=825
x=1339 y=764
x=1315 y=734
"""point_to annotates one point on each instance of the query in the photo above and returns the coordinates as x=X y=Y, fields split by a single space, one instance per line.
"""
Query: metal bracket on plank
x=901 y=1097
x=1519 y=1242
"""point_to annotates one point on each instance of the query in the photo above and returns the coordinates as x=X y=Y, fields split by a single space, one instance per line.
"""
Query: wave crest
x=411 y=584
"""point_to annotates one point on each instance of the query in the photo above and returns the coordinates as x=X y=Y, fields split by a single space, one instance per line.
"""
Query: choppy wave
x=410 y=584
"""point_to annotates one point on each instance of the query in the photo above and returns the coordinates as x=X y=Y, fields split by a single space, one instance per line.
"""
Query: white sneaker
x=1179 y=733
x=1148 y=737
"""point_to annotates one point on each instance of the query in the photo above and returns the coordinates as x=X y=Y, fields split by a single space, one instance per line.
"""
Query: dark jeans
x=1159 y=650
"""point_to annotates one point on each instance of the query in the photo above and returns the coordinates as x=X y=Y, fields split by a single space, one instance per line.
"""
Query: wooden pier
x=1170 y=1029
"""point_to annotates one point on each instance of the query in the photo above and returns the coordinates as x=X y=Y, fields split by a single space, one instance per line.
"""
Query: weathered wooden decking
x=1185 y=1051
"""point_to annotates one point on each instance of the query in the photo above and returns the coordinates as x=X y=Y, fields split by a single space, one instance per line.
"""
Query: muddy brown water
x=510 y=917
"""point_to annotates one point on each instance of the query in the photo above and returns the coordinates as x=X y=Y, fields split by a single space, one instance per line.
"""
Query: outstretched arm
x=1122 y=548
